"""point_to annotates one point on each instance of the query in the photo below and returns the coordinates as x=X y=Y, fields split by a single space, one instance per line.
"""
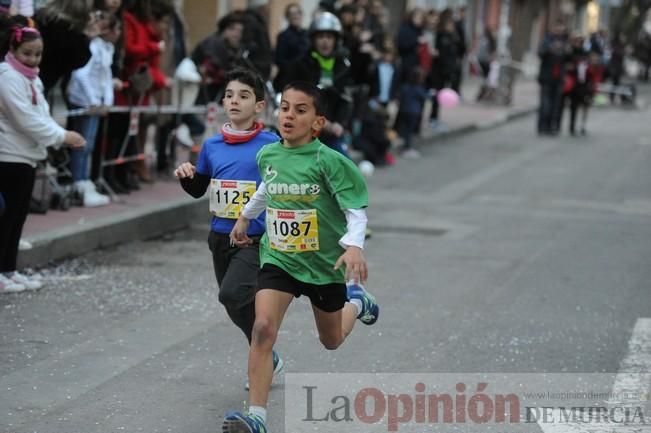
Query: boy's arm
x=353 y=242
x=356 y=221
x=197 y=185
x=252 y=209
x=193 y=182
x=257 y=204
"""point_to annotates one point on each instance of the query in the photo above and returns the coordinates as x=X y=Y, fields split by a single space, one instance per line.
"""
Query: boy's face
x=324 y=43
x=297 y=119
x=239 y=102
x=233 y=34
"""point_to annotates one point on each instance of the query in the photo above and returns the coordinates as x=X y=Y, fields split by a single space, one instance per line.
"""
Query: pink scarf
x=233 y=136
x=29 y=72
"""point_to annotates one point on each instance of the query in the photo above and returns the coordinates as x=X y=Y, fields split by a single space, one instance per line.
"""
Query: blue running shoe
x=278 y=367
x=370 y=309
x=237 y=422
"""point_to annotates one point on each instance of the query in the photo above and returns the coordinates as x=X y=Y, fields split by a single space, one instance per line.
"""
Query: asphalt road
x=497 y=252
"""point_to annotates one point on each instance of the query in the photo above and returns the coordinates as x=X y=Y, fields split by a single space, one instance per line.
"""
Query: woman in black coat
x=63 y=25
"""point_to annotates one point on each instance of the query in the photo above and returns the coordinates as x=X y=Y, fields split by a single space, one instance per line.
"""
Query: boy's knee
x=331 y=343
x=235 y=295
x=264 y=332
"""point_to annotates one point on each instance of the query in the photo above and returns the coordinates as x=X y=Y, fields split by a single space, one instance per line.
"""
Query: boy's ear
x=318 y=124
x=259 y=106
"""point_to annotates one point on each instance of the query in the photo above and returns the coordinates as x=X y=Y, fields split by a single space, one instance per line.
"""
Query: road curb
x=479 y=126
x=137 y=224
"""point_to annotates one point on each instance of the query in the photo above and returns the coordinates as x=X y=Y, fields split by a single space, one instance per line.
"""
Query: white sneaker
x=411 y=154
x=24 y=245
x=29 y=283
x=182 y=134
x=9 y=285
x=91 y=197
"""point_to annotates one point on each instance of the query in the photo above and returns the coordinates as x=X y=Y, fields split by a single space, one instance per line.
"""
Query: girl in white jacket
x=26 y=129
x=91 y=87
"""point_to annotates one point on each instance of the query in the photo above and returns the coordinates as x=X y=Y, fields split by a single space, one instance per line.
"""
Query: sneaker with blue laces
x=237 y=422
x=370 y=309
x=278 y=367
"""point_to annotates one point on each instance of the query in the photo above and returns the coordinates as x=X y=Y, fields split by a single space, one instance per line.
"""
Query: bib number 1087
x=293 y=228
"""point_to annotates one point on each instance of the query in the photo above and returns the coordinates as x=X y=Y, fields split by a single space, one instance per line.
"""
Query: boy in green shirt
x=315 y=200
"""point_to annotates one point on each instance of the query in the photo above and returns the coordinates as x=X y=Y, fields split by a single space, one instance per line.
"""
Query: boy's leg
x=336 y=326
x=336 y=307
x=238 y=287
x=270 y=308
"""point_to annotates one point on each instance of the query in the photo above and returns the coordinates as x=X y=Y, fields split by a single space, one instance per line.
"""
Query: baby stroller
x=53 y=185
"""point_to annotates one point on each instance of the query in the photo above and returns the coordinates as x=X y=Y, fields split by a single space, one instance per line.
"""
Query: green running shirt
x=309 y=179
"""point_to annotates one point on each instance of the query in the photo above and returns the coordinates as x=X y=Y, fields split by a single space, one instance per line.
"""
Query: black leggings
x=16 y=184
x=236 y=270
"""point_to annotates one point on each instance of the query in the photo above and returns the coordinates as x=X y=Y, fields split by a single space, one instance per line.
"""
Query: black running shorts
x=326 y=297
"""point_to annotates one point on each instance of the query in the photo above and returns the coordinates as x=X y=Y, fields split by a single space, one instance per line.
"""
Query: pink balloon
x=447 y=98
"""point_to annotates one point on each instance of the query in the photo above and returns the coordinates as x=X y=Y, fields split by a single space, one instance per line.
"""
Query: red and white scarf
x=234 y=136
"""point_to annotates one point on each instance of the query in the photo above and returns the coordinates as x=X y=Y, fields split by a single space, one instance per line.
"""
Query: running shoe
x=370 y=309
x=278 y=367
x=237 y=422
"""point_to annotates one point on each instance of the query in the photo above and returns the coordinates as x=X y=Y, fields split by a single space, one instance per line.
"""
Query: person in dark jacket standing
x=217 y=54
x=328 y=69
x=255 y=39
x=292 y=43
x=63 y=25
x=554 y=53
x=462 y=48
x=409 y=38
x=445 y=68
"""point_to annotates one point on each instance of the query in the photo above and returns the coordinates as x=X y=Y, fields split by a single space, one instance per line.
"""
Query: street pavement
x=497 y=252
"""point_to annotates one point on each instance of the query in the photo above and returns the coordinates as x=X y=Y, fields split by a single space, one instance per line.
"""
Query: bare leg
x=270 y=308
x=335 y=327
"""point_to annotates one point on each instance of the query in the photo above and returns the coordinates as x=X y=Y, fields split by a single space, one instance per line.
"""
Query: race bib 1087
x=294 y=231
x=228 y=197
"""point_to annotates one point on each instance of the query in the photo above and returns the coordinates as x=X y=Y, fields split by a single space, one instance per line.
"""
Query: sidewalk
x=163 y=206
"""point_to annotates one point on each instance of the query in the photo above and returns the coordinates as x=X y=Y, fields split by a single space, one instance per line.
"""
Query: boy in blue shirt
x=227 y=166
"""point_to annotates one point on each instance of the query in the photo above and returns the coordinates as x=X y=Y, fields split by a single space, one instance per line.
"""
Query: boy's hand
x=356 y=268
x=74 y=140
x=185 y=170
x=238 y=234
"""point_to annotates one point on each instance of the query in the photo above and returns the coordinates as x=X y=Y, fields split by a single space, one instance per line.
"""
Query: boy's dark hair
x=228 y=21
x=250 y=78
x=310 y=90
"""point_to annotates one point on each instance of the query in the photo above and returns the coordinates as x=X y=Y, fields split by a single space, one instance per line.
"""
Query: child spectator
x=585 y=75
x=227 y=165
x=412 y=100
x=27 y=129
x=91 y=87
x=325 y=67
x=315 y=200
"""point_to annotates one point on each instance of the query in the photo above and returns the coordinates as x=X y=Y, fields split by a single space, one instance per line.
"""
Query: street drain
x=420 y=231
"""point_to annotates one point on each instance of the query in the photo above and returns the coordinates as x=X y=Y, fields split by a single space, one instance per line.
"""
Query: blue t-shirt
x=224 y=161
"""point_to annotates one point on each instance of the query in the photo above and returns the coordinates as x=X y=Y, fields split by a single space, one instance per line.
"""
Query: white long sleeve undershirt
x=356 y=219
